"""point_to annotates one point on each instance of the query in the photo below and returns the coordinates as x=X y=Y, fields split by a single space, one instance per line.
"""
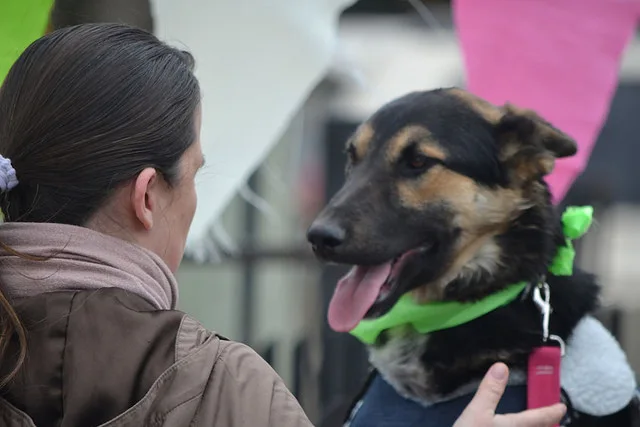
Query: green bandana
x=436 y=316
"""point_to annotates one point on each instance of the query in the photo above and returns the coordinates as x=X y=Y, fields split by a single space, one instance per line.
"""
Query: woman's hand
x=481 y=411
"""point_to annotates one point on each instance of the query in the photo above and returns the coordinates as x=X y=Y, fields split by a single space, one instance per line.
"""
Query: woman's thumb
x=481 y=410
x=490 y=391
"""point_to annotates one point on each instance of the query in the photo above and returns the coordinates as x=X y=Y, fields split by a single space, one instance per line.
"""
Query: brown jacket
x=108 y=358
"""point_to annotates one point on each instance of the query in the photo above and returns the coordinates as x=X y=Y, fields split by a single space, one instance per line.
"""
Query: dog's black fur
x=463 y=180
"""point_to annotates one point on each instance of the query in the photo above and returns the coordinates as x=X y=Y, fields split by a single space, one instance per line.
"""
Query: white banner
x=257 y=60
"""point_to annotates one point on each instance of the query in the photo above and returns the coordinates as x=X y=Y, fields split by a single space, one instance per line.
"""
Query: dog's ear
x=529 y=146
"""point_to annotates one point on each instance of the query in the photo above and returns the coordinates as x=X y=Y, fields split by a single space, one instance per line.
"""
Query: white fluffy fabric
x=595 y=372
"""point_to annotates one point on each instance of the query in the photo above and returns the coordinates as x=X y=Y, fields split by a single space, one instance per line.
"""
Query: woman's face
x=180 y=205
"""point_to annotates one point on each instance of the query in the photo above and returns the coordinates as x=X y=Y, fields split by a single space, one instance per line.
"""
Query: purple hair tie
x=8 y=179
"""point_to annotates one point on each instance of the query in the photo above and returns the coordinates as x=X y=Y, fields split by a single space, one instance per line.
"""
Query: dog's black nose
x=326 y=235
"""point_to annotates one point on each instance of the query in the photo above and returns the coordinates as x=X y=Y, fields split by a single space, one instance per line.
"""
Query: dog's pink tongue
x=355 y=294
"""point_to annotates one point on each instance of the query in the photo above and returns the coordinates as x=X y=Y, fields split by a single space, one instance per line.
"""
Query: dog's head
x=435 y=183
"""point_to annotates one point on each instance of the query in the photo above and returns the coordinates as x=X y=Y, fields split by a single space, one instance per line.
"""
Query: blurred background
x=261 y=284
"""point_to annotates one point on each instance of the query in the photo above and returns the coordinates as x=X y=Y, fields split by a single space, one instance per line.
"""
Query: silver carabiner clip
x=542 y=298
x=560 y=342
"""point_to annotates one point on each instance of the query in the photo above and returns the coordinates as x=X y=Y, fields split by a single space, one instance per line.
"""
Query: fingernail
x=499 y=371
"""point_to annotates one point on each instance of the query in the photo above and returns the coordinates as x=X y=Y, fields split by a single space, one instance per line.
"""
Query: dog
x=445 y=201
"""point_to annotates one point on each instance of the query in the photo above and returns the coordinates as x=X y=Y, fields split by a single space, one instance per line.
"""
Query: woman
x=99 y=135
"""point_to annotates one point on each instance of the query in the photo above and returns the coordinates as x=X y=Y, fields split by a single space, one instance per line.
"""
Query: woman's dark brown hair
x=82 y=111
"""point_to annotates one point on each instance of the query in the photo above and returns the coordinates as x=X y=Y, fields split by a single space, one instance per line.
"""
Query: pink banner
x=558 y=57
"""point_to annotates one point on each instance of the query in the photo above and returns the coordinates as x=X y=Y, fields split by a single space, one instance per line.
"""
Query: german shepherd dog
x=445 y=200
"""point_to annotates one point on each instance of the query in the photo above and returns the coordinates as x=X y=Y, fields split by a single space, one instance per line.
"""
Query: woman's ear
x=143 y=197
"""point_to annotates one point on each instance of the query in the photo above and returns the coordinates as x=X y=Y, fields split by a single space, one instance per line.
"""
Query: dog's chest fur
x=400 y=362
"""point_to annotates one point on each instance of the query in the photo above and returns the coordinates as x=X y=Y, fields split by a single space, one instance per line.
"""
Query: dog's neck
x=428 y=366
x=523 y=252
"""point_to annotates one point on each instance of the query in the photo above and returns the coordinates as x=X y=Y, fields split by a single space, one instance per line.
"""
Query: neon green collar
x=436 y=316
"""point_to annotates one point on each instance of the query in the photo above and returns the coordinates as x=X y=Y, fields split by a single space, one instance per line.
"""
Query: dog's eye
x=418 y=161
x=351 y=153
x=415 y=163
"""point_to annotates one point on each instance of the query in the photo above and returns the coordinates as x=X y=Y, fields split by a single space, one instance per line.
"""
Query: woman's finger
x=543 y=417
x=481 y=410
x=485 y=401
x=490 y=390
